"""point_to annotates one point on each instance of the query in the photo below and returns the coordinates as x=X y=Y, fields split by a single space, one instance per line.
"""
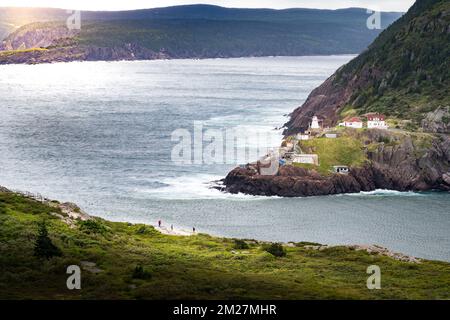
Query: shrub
x=275 y=249
x=385 y=140
x=44 y=247
x=306 y=243
x=240 y=244
x=141 y=230
x=148 y=230
x=92 y=226
x=140 y=273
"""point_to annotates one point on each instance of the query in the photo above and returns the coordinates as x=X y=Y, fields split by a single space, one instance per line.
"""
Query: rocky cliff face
x=54 y=42
x=403 y=164
x=37 y=36
x=438 y=120
x=70 y=51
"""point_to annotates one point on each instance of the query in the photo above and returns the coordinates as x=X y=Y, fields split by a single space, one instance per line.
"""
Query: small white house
x=341 y=169
x=354 y=122
x=376 y=120
x=315 y=123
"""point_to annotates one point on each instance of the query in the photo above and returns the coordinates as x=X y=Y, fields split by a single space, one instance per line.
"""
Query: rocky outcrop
x=68 y=53
x=37 y=36
x=289 y=182
x=403 y=164
x=437 y=121
x=54 y=42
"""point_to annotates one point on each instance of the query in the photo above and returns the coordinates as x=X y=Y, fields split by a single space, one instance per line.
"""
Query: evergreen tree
x=44 y=247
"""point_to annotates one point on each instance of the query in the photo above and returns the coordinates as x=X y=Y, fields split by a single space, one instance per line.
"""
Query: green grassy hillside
x=407 y=67
x=344 y=150
x=404 y=74
x=137 y=262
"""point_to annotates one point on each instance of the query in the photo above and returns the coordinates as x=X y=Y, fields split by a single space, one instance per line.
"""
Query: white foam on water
x=386 y=192
x=193 y=187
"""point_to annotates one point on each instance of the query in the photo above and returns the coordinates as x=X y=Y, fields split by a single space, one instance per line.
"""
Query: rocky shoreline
x=402 y=164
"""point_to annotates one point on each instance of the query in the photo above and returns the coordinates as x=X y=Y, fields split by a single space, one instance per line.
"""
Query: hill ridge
x=404 y=74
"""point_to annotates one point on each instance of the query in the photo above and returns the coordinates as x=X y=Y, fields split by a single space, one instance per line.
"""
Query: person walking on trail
x=193 y=229
x=171 y=227
x=159 y=223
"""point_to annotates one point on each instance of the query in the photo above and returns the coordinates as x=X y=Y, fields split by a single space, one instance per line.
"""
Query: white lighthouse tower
x=315 y=123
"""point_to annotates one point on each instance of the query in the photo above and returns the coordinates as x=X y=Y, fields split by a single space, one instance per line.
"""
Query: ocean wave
x=193 y=187
x=386 y=192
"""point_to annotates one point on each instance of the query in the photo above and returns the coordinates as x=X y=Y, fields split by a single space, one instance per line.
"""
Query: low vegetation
x=275 y=249
x=136 y=262
x=345 y=150
x=13 y=52
x=240 y=244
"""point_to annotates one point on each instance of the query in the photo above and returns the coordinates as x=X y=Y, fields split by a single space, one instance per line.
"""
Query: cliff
x=53 y=42
x=395 y=161
x=403 y=74
x=37 y=35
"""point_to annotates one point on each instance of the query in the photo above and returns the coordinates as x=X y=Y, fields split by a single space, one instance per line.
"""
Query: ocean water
x=100 y=134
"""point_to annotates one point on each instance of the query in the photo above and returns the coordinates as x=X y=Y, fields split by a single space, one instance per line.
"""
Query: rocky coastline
x=402 y=164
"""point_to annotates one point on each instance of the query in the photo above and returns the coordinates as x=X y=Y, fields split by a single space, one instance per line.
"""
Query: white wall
x=377 y=124
x=358 y=125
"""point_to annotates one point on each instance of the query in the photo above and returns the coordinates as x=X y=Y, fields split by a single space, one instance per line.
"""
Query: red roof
x=354 y=119
x=375 y=116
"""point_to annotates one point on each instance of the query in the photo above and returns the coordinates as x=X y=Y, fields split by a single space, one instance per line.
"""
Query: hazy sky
x=385 y=5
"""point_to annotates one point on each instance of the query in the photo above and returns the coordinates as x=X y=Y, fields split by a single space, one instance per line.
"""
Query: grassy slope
x=198 y=267
x=345 y=150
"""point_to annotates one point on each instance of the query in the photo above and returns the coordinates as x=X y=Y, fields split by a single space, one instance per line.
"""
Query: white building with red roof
x=376 y=120
x=354 y=122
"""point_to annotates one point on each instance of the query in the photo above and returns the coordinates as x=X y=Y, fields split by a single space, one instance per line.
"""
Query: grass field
x=137 y=262
x=345 y=150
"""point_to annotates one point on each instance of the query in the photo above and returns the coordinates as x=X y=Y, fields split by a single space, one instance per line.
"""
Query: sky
x=382 y=5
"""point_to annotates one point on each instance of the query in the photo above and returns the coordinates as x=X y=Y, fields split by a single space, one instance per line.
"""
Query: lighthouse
x=315 y=123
